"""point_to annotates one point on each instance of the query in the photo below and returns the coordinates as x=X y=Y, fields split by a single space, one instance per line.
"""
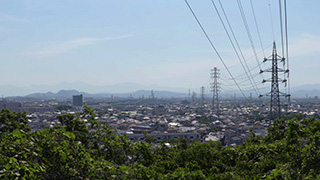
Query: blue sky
x=105 y=42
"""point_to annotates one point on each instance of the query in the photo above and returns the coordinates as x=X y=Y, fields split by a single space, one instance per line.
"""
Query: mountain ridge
x=9 y=90
x=310 y=90
x=67 y=94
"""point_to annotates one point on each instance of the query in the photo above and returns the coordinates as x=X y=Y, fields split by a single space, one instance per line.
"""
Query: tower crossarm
x=284 y=94
x=270 y=80
x=271 y=70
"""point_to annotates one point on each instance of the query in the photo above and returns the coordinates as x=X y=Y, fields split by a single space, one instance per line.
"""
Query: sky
x=105 y=42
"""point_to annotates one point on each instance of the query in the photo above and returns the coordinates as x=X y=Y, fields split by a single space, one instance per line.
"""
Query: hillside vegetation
x=291 y=150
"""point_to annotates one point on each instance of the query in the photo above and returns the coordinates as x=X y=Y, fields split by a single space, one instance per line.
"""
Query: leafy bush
x=291 y=150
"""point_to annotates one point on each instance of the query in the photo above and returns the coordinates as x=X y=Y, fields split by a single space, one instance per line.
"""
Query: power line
x=246 y=80
x=283 y=51
x=271 y=20
x=254 y=75
x=214 y=48
x=281 y=27
x=257 y=27
x=234 y=48
x=251 y=57
x=248 y=31
x=240 y=82
x=235 y=39
x=228 y=89
x=287 y=46
x=240 y=77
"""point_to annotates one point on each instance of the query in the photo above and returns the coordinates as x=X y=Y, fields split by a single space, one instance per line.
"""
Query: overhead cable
x=213 y=47
x=287 y=45
x=251 y=57
x=281 y=27
x=248 y=31
x=271 y=20
x=257 y=27
x=234 y=48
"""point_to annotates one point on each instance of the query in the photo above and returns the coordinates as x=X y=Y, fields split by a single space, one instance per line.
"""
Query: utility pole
x=275 y=105
x=215 y=87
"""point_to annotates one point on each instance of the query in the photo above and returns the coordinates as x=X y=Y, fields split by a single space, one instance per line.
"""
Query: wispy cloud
x=3 y=29
x=305 y=46
x=169 y=70
x=58 y=48
x=9 y=17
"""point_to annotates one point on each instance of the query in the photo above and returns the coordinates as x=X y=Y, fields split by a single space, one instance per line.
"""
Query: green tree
x=10 y=121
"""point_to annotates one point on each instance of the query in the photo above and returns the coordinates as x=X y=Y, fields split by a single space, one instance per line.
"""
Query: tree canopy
x=82 y=148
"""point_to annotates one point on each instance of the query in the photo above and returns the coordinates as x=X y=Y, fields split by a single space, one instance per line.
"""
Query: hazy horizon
x=129 y=87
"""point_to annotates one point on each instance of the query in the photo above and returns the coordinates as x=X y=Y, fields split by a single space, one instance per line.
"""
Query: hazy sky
x=104 y=42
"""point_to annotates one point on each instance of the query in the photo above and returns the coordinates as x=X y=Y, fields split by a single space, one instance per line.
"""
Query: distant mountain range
x=304 y=93
x=8 y=90
x=122 y=90
x=67 y=94
x=306 y=87
x=307 y=90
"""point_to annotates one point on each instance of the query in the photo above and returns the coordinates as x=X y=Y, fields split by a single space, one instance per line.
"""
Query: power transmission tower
x=202 y=94
x=275 y=105
x=215 y=87
x=152 y=95
x=194 y=96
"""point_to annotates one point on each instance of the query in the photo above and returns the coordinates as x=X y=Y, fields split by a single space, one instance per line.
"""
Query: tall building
x=13 y=106
x=78 y=100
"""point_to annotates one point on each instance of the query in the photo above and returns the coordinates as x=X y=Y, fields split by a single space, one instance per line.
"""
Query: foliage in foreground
x=291 y=150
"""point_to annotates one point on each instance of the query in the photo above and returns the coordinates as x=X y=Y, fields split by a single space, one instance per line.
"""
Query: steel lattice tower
x=275 y=104
x=202 y=94
x=215 y=87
